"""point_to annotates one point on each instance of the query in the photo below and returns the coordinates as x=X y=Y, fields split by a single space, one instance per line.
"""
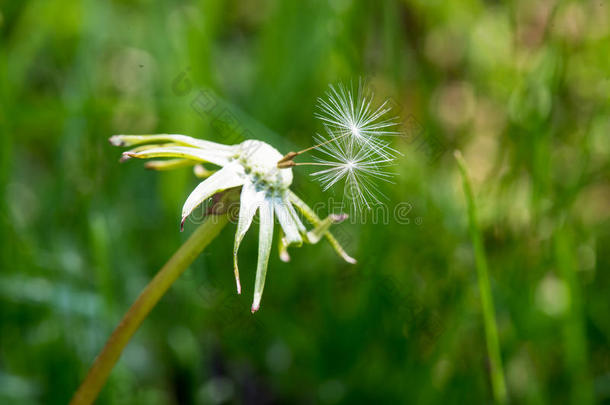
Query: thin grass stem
x=574 y=330
x=489 y=319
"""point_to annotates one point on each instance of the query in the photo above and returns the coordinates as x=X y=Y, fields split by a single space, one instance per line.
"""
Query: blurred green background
x=521 y=88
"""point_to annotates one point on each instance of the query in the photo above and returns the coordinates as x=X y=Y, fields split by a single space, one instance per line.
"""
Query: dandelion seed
x=359 y=167
x=351 y=116
x=353 y=147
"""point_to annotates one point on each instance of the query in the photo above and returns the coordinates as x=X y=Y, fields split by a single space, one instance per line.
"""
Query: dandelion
x=258 y=177
x=251 y=167
x=358 y=168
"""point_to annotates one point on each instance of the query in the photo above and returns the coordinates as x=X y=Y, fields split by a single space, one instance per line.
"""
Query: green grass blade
x=489 y=318
x=575 y=339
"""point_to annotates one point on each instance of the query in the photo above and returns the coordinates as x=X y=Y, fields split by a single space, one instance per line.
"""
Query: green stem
x=489 y=319
x=184 y=256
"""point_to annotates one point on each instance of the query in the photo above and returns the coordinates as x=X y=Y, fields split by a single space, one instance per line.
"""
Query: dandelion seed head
x=248 y=169
x=258 y=161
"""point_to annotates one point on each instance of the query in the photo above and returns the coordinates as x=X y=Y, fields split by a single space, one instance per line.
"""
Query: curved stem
x=184 y=256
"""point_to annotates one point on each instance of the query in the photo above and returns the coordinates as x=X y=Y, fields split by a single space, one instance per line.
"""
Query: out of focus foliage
x=522 y=88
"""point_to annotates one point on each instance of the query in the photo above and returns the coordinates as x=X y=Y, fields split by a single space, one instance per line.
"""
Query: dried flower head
x=353 y=152
x=251 y=166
